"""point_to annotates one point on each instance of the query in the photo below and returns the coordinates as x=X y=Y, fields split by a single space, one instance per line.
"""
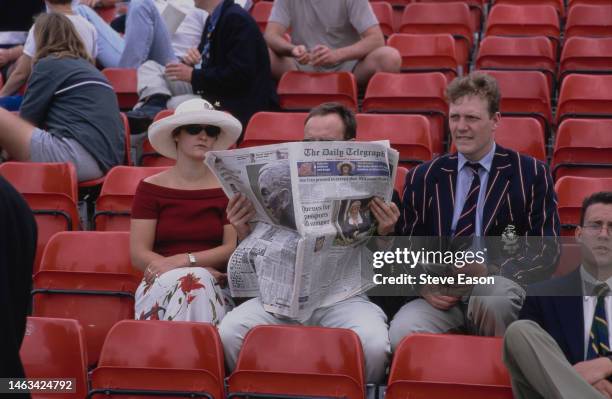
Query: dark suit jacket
x=520 y=193
x=561 y=316
x=238 y=77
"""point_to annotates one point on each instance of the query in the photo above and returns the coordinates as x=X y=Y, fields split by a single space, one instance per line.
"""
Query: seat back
x=426 y=53
x=149 y=156
x=114 y=204
x=274 y=127
x=571 y=255
x=408 y=134
x=571 y=191
x=301 y=91
x=583 y=147
x=586 y=55
x=415 y=373
x=384 y=14
x=589 y=20
x=160 y=356
x=55 y=348
x=418 y=93
x=400 y=181
x=51 y=192
x=124 y=82
x=556 y=4
x=585 y=96
x=87 y=276
x=297 y=360
x=261 y=12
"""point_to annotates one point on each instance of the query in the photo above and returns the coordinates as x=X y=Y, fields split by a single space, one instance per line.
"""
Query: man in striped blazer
x=483 y=190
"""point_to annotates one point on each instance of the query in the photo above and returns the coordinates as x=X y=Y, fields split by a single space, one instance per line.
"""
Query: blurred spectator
x=230 y=69
x=180 y=236
x=69 y=98
x=340 y=35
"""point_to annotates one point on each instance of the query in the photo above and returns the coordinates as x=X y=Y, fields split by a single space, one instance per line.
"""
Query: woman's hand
x=160 y=266
x=220 y=277
x=240 y=211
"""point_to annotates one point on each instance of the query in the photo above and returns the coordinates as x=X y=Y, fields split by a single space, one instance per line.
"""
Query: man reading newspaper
x=312 y=222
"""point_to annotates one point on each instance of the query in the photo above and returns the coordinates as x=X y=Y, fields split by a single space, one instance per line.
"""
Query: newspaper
x=312 y=219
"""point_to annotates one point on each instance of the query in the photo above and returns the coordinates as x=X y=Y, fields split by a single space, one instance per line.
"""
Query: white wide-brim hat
x=193 y=112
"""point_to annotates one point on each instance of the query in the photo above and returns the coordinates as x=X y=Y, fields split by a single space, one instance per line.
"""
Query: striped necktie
x=466 y=224
x=598 y=337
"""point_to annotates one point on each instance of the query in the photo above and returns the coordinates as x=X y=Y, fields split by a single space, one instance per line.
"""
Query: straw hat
x=193 y=112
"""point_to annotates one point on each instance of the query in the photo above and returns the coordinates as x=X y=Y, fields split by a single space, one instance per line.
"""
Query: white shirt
x=589 y=303
x=84 y=28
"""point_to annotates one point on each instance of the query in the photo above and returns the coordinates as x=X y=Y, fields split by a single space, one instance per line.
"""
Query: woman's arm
x=217 y=257
x=18 y=77
x=142 y=237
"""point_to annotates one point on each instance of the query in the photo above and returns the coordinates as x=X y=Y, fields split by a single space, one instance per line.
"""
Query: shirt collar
x=484 y=162
x=589 y=283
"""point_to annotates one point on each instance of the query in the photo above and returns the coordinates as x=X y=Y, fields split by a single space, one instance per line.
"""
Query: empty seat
x=149 y=157
x=557 y=4
x=55 y=349
x=87 y=276
x=106 y=13
x=416 y=374
x=301 y=91
x=384 y=14
x=585 y=96
x=124 y=82
x=583 y=147
x=518 y=53
x=418 y=93
x=408 y=134
x=524 y=93
x=114 y=205
x=525 y=20
x=586 y=55
x=51 y=192
x=453 y=18
x=273 y=128
x=573 y=3
x=166 y=357
x=299 y=361
x=524 y=135
x=261 y=12
x=426 y=53
x=589 y=20
x=571 y=191
x=476 y=10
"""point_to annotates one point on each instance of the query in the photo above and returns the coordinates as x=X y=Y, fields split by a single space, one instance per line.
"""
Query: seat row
x=161 y=358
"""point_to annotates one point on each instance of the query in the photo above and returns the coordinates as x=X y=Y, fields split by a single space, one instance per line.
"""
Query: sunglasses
x=210 y=130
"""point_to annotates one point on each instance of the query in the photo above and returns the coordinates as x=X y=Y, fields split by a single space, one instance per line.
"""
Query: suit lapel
x=571 y=315
x=444 y=196
x=497 y=186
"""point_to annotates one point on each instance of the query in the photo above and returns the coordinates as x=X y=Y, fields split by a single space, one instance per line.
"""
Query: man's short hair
x=475 y=84
x=346 y=115
x=602 y=197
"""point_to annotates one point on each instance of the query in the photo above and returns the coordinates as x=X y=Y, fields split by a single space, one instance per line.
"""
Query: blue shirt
x=464 y=181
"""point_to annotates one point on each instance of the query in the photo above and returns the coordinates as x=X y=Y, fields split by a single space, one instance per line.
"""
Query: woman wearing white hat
x=180 y=236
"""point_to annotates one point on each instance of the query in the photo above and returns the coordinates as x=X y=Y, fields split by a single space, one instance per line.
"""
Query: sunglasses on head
x=210 y=130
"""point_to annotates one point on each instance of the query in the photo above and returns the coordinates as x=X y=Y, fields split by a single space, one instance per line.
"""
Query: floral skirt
x=185 y=294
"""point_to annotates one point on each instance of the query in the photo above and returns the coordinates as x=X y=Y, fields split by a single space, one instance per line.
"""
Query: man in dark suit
x=483 y=190
x=561 y=347
x=230 y=69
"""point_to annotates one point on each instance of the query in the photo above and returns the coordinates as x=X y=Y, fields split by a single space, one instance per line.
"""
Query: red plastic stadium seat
x=586 y=55
x=149 y=156
x=573 y=3
x=124 y=81
x=518 y=53
x=571 y=255
x=261 y=12
x=162 y=356
x=301 y=91
x=524 y=135
x=453 y=18
x=426 y=53
x=531 y=20
x=400 y=180
x=299 y=361
x=571 y=191
x=557 y=4
x=418 y=93
x=583 y=148
x=589 y=20
x=114 y=205
x=55 y=348
x=51 y=192
x=274 y=127
x=524 y=93
x=585 y=96
x=384 y=14
x=106 y=13
x=408 y=134
x=465 y=367
x=476 y=10
x=87 y=276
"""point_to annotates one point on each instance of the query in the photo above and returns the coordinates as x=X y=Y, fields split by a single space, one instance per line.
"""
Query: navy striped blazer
x=520 y=195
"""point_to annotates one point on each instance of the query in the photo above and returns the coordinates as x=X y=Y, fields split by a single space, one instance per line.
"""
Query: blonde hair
x=55 y=35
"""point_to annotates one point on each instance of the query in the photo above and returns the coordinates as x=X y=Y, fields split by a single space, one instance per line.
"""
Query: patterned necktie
x=466 y=224
x=598 y=337
x=210 y=27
